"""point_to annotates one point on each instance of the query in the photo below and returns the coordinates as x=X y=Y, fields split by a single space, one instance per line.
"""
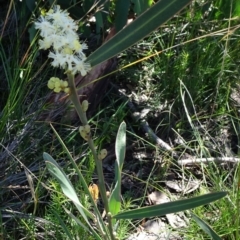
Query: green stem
x=83 y=117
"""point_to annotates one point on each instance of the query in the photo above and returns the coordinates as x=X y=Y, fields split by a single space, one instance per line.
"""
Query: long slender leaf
x=81 y=179
x=30 y=4
x=120 y=148
x=68 y=189
x=121 y=13
x=66 y=185
x=77 y=220
x=141 y=5
x=63 y=225
x=205 y=227
x=138 y=29
x=99 y=21
x=88 y=4
x=171 y=207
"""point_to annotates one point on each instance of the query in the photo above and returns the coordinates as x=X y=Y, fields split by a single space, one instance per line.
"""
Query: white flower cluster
x=58 y=31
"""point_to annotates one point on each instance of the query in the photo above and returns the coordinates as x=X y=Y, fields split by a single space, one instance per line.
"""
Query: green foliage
x=141 y=6
x=224 y=8
x=55 y=211
x=66 y=185
x=120 y=147
x=56 y=214
x=121 y=14
x=69 y=191
x=157 y=15
x=30 y=4
x=172 y=207
x=205 y=227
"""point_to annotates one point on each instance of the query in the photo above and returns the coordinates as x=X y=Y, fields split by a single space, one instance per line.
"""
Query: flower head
x=58 y=31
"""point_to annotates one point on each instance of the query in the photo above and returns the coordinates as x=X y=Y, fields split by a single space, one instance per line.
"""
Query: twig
x=207 y=160
x=145 y=126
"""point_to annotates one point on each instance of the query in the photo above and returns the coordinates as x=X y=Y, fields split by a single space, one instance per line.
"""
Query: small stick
x=207 y=160
x=145 y=126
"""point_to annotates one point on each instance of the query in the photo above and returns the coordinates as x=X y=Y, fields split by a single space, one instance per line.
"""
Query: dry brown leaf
x=93 y=189
x=157 y=198
x=184 y=187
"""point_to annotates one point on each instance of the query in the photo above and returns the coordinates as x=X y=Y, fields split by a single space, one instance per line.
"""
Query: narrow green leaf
x=120 y=148
x=171 y=207
x=77 y=220
x=138 y=29
x=88 y=4
x=31 y=5
x=32 y=33
x=66 y=185
x=99 y=21
x=115 y=200
x=205 y=227
x=68 y=190
x=82 y=180
x=121 y=13
x=63 y=225
x=141 y=5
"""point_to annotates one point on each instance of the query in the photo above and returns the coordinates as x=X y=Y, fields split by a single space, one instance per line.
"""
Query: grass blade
x=63 y=225
x=205 y=227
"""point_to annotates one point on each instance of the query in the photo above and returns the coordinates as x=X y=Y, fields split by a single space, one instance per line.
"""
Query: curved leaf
x=82 y=181
x=204 y=226
x=66 y=185
x=170 y=207
x=138 y=29
x=120 y=148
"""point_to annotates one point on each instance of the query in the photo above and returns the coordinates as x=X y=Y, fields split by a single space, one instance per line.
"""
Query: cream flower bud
x=87 y=128
x=85 y=132
x=85 y=105
x=67 y=90
x=58 y=85
x=102 y=154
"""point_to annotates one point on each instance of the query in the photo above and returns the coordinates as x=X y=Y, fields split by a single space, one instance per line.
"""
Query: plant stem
x=83 y=117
